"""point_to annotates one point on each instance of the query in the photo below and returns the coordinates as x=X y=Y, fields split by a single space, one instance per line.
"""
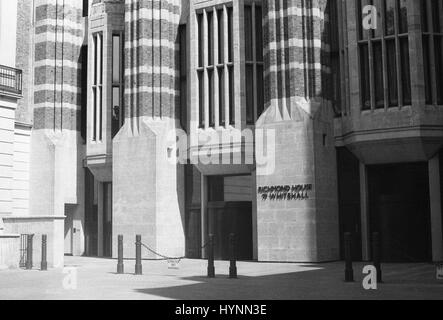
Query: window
x=84 y=82
x=254 y=62
x=432 y=27
x=384 y=56
x=215 y=70
x=335 y=78
x=183 y=77
x=117 y=108
x=97 y=88
x=85 y=8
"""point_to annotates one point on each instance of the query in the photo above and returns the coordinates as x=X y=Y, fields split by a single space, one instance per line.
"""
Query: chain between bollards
x=349 y=271
x=210 y=248
x=138 y=256
x=44 y=263
x=120 y=265
x=233 y=258
x=29 y=249
x=376 y=255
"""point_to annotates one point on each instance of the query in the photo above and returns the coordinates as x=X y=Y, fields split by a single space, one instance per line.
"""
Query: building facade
x=286 y=123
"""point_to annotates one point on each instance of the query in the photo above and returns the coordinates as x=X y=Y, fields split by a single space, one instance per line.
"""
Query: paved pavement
x=97 y=280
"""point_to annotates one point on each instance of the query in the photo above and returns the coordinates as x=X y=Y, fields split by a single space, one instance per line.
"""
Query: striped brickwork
x=296 y=51
x=58 y=40
x=151 y=59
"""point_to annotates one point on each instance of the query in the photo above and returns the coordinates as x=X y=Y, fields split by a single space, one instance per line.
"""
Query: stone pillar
x=148 y=186
x=56 y=145
x=436 y=213
x=301 y=116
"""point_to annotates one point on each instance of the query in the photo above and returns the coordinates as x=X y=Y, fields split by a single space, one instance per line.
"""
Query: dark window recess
x=392 y=73
x=405 y=71
x=85 y=8
x=183 y=78
x=211 y=97
x=84 y=90
x=364 y=74
x=200 y=40
x=221 y=96
x=378 y=76
x=201 y=100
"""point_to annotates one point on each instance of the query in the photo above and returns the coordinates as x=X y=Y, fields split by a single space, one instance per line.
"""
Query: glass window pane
x=405 y=70
x=392 y=73
x=211 y=98
x=378 y=75
x=390 y=17
x=259 y=33
x=210 y=39
x=231 y=34
x=116 y=110
x=250 y=94
x=94 y=115
x=231 y=96
x=436 y=19
x=201 y=99
x=364 y=73
x=116 y=59
x=221 y=96
x=378 y=31
x=200 y=40
x=221 y=37
x=427 y=69
x=95 y=58
x=260 y=91
x=438 y=45
x=403 y=16
x=248 y=33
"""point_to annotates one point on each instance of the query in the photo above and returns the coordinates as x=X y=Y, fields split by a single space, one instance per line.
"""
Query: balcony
x=10 y=81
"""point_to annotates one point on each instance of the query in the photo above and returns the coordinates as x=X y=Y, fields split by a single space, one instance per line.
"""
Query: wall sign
x=285 y=193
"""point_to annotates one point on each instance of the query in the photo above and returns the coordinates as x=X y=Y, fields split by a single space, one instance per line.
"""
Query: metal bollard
x=376 y=255
x=211 y=267
x=138 y=256
x=120 y=265
x=29 y=252
x=44 y=263
x=233 y=265
x=349 y=271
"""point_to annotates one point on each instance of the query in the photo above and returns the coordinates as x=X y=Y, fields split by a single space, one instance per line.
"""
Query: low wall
x=53 y=227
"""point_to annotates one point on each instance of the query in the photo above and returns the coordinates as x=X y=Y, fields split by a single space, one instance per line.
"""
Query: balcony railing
x=10 y=81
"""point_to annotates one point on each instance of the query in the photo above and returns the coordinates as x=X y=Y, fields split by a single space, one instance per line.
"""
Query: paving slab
x=96 y=279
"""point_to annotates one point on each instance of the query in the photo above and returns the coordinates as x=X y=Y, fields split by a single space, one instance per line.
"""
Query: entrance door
x=400 y=211
x=225 y=218
x=107 y=220
x=69 y=232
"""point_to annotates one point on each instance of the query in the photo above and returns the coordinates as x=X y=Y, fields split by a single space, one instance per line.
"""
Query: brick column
x=300 y=114
x=148 y=187
x=56 y=171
